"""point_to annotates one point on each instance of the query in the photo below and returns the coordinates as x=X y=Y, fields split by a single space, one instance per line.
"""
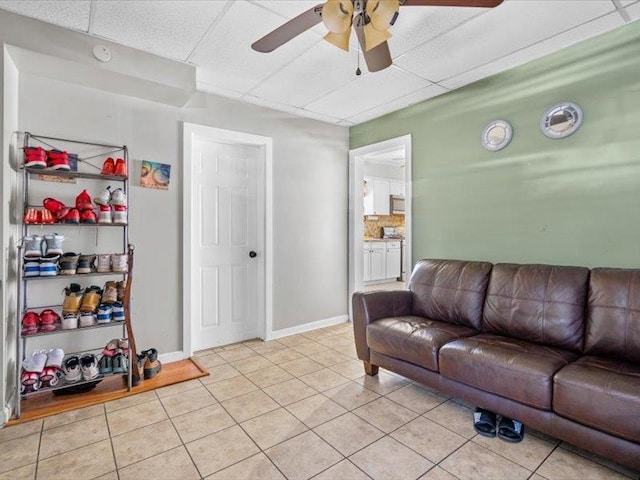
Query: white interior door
x=227 y=270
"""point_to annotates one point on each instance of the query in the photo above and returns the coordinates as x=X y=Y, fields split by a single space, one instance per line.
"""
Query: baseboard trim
x=305 y=327
x=172 y=357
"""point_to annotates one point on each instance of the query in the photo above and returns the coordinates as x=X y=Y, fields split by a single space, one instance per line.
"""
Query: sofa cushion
x=413 y=339
x=600 y=393
x=450 y=291
x=512 y=368
x=539 y=303
x=613 y=315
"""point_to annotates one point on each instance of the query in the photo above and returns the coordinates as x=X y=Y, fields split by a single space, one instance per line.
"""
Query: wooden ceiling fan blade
x=378 y=58
x=289 y=30
x=451 y=3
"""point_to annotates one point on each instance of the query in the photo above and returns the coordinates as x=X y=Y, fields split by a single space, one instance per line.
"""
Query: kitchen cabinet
x=381 y=261
x=396 y=187
x=377 y=201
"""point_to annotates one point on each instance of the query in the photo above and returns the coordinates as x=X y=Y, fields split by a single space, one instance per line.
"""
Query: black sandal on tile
x=484 y=422
x=510 y=430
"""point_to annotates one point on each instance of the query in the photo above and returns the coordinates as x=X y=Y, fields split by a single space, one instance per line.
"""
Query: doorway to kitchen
x=380 y=215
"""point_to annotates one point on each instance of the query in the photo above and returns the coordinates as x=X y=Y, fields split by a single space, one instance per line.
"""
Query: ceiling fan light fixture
x=337 y=15
x=340 y=40
x=383 y=13
x=373 y=37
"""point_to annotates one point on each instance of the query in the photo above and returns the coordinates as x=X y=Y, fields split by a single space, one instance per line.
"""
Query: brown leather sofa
x=557 y=348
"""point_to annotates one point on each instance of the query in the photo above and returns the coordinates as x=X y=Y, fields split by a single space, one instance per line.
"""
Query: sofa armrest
x=371 y=306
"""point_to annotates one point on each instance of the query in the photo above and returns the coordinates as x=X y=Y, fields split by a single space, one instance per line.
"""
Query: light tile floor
x=295 y=408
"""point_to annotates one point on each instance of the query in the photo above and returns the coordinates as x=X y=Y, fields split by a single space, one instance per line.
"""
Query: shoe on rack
x=104 y=263
x=32 y=215
x=152 y=365
x=71 y=369
x=120 y=168
x=104 y=197
x=118 y=197
x=119 y=262
x=87 y=319
x=49 y=320
x=83 y=201
x=105 y=214
x=30 y=323
x=73 y=216
x=31 y=267
x=34 y=364
x=111 y=348
x=49 y=265
x=85 y=263
x=46 y=216
x=58 y=160
x=105 y=313
x=68 y=263
x=88 y=216
x=35 y=157
x=89 y=366
x=54 y=363
x=32 y=246
x=119 y=363
x=110 y=292
x=119 y=215
x=118 y=312
x=91 y=299
x=56 y=207
x=123 y=345
x=108 y=167
x=53 y=242
x=70 y=321
x=120 y=287
x=72 y=299
x=105 y=365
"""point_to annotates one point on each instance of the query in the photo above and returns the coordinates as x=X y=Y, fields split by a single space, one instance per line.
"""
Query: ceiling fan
x=371 y=20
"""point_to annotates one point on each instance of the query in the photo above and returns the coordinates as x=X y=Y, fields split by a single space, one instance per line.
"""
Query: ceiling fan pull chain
x=358 y=71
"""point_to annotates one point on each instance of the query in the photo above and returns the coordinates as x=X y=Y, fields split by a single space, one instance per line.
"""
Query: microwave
x=396 y=204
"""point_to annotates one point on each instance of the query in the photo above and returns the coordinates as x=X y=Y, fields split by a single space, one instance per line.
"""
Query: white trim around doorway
x=221 y=135
x=356 y=208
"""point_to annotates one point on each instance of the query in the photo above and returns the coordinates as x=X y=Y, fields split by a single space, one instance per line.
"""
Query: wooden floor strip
x=46 y=404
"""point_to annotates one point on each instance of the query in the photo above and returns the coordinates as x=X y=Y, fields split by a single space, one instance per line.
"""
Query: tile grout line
x=35 y=475
x=113 y=450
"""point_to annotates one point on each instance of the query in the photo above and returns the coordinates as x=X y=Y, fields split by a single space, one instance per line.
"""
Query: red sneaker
x=108 y=167
x=49 y=320
x=72 y=217
x=32 y=215
x=83 y=201
x=30 y=323
x=58 y=160
x=88 y=216
x=56 y=207
x=46 y=216
x=35 y=157
x=121 y=168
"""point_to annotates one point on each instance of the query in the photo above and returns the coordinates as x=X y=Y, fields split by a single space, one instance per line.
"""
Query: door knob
x=253 y=254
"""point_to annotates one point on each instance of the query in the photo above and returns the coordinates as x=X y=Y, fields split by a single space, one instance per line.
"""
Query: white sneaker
x=71 y=369
x=70 y=321
x=119 y=262
x=104 y=214
x=36 y=362
x=104 y=263
x=87 y=319
x=89 y=366
x=104 y=198
x=118 y=197
x=54 y=357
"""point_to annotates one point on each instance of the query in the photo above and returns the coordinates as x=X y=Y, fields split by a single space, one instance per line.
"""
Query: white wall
x=383 y=171
x=310 y=197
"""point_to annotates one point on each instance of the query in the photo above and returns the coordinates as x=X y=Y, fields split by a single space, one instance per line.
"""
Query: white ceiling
x=434 y=49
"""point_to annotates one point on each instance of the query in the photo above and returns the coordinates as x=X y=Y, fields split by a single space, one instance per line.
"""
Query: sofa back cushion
x=539 y=303
x=450 y=291
x=613 y=315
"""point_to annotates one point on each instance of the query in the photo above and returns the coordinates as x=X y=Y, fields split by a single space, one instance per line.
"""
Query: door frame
x=265 y=308
x=356 y=208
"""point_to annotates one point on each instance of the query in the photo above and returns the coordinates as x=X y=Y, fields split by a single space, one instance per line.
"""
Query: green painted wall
x=574 y=201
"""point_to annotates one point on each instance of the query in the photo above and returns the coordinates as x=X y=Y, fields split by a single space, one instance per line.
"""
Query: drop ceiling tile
x=168 y=28
x=267 y=103
x=511 y=26
x=416 y=25
x=634 y=11
x=322 y=69
x=546 y=47
x=368 y=91
x=66 y=13
x=317 y=116
x=399 y=103
x=226 y=57
x=289 y=9
x=203 y=86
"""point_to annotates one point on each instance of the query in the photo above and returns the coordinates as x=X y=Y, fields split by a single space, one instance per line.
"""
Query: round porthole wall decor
x=561 y=120
x=497 y=135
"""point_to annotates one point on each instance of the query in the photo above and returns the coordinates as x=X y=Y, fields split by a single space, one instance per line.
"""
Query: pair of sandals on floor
x=486 y=423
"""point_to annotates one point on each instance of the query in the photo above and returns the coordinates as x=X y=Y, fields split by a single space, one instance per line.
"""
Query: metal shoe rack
x=85 y=170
